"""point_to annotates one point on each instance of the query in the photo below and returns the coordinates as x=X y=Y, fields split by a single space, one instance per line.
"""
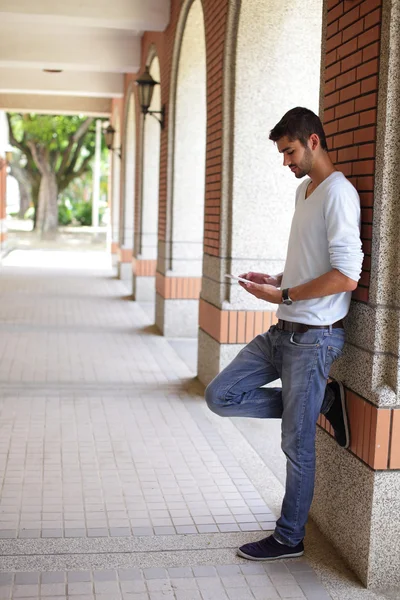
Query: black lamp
x=146 y=88
x=109 y=139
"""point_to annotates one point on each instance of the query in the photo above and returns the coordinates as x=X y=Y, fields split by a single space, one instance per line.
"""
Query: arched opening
x=278 y=56
x=145 y=254
x=128 y=194
x=177 y=308
x=190 y=146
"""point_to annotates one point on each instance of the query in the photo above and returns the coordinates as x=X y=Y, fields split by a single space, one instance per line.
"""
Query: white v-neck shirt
x=325 y=235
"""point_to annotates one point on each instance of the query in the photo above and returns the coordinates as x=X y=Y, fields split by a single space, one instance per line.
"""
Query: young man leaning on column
x=322 y=268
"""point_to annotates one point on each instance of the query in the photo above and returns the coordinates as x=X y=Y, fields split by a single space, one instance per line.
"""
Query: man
x=322 y=268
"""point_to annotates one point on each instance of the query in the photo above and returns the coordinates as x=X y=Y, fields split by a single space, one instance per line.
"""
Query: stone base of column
x=124 y=271
x=223 y=333
x=3 y=240
x=144 y=288
x=144 y=279
x=124 y=267
x=177 y=305
x=177 y=318
x=357 y=492
x=213 y=356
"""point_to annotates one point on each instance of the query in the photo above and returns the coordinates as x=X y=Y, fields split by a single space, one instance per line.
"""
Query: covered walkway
x=116 y=481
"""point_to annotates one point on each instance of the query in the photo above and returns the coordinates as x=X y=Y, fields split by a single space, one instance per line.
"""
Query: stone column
x=96 y=181
x=357 y=498
x=4 y=145
x=146 y=214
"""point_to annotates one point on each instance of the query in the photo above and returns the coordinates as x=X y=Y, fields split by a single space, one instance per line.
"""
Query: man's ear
x=314 y=141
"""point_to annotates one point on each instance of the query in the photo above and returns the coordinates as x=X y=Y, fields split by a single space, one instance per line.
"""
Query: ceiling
x=93 y=42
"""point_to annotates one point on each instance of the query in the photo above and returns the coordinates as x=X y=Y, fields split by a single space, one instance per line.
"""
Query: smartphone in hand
x=235 y=278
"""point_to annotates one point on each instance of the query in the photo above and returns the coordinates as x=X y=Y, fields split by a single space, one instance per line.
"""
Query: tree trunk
x=35 y=200
x=25 y=188
x=47 y=217
x=47 y=211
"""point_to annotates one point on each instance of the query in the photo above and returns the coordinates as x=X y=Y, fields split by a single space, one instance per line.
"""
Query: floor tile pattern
x=293 y=579
x=98 y=438
x=116 y=466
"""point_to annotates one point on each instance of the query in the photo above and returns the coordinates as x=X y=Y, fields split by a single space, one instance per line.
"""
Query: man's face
x=298 y=158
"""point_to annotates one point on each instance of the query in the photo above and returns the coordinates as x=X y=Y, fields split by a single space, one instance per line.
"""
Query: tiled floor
x=115 y=481
x=115 y=465
x=233 y=582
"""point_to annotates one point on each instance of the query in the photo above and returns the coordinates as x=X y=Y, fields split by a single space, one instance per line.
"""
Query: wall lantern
x=146 y=88
x=109 y=134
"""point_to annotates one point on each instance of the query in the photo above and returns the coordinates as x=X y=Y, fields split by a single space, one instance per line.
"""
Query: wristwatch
x=286 y=298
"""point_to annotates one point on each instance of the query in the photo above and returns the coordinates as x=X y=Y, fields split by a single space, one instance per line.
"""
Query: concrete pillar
x=4 y=145
x=126 y=225
x=96 y=181
x=249 y=209
x=116 y=178
x=357 y=498
x=146 y=221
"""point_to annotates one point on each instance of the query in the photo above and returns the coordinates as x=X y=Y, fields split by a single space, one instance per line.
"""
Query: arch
x=179 y=33
x=190 y=128
x=278 y=50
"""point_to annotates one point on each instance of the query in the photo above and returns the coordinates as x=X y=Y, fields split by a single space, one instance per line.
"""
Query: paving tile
x=204 y=571
x=53 y=589
x=155 y=573
x=78 y=576
x=80 y=588
x=26 y=578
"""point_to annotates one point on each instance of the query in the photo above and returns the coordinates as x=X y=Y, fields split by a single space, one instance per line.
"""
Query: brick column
x=358 y=491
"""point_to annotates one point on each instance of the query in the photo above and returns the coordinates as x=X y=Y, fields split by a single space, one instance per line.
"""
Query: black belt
x=302 y=327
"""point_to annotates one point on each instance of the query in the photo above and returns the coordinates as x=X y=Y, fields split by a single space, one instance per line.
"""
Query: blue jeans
x=302 y=361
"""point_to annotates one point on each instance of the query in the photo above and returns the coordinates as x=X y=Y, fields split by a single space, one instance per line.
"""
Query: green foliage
x=30 y=213
x=65 y=215
x=52 y=131
x=83 y=213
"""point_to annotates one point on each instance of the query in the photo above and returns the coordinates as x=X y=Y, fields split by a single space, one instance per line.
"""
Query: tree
x=28 y=182
x=59 y=149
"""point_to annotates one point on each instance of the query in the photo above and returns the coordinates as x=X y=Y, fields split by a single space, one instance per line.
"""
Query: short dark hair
x=298 y=124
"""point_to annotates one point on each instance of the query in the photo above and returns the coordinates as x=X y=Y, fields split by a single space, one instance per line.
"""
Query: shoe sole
x=282 y=557
x=345 y=415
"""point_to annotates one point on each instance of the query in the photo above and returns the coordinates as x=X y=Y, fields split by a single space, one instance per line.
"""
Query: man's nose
x=286 y=160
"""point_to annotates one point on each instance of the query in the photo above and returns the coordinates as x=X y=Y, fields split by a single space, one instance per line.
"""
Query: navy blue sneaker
x=270 y=549
x=337 y=414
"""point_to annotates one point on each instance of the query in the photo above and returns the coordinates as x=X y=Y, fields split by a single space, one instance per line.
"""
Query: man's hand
x=263 y=291
x=262 y=278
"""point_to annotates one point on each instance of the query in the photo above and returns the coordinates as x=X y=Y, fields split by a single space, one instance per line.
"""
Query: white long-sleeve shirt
x=325 y=235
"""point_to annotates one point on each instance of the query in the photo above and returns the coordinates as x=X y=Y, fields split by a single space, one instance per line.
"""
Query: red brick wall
x=350 y=104
x=215 y=13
